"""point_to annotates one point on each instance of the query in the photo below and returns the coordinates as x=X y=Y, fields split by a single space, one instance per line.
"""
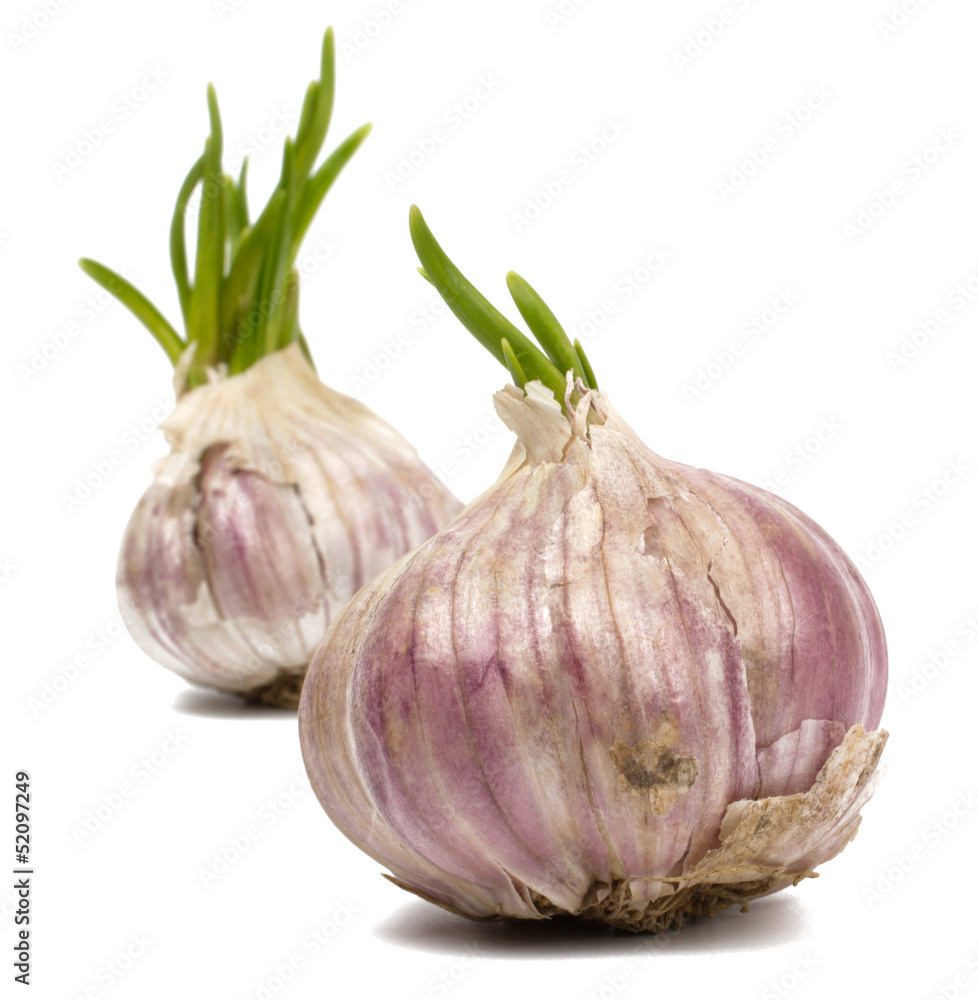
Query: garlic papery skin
x=615 y=686
x=278 y=500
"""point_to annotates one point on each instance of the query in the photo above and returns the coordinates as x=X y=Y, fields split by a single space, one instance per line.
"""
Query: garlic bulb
x=280 y=497
x=278 y=500
x=615 y=686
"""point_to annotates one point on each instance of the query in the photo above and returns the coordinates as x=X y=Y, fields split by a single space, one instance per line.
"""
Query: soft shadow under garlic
x=211 y=704
x=775 y=922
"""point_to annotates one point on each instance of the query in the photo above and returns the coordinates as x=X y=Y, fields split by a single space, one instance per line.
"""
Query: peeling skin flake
x=797 y=832
x=770 y=843
x=615 y=686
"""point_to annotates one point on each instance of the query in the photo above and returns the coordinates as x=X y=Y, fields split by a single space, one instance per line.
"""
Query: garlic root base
x=282 y=692
x=669 y=913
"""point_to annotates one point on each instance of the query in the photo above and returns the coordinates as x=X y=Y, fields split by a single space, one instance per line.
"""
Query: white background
x=889 y=432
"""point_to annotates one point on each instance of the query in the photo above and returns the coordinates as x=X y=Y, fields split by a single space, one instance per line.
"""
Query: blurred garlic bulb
x=280 y=498
x=615 y=686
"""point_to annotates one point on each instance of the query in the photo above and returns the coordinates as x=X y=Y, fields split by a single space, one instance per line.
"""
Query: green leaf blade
x=178 y=239
x=489 y=326
x=204 y=313
x=318 y=186
x=590 y=380
x=138 y=305
x=544 y=326
x=512 y=364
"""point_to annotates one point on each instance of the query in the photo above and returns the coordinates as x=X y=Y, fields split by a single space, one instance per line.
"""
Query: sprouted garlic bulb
x=615 y=686
x=279 y=497
x=278 y=500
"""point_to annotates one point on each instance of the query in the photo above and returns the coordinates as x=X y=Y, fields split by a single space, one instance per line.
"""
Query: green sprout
x=502 y=339
x=242 y=301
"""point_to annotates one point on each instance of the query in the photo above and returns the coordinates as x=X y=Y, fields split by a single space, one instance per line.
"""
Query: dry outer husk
x=615 y=687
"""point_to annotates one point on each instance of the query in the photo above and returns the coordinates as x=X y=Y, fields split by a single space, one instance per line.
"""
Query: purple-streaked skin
x=278 y=500
x=568 y=699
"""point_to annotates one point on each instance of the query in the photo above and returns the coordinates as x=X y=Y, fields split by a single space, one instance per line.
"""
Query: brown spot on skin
x=655 y=769
x=649 y=765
